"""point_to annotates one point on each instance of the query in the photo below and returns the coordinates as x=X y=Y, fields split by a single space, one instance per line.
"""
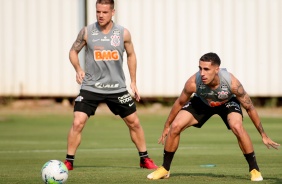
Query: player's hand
x=135 y=92
x=163 y=136
x=80 y=76
x=269 y=143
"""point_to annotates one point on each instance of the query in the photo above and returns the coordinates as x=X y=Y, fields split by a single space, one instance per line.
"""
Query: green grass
x=107 y=155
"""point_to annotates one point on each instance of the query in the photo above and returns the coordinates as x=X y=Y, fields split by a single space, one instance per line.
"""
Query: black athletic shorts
x=121 y=104
x=202 y=112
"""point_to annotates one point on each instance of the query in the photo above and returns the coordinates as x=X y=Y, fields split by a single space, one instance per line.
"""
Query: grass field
x=107 y=154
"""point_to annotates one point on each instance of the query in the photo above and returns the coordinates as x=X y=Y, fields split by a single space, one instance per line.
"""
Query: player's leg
x=138 y=138
x=194 y=113
x=74 y=137
x=136 y=131
x=122 y=104
x=183 y=120
x=85 y=106
x=236 y=125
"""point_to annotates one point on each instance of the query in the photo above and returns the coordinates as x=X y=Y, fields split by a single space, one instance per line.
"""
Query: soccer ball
x=54 y=172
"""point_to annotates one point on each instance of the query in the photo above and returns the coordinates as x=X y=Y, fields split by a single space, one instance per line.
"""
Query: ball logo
x=106 y=55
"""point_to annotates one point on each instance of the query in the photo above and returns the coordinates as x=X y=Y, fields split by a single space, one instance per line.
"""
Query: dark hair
x=110 y=2
x=211 y=57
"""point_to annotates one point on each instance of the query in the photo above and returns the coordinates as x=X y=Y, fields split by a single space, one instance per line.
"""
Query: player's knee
x=175 y=128
x=134 y=124
x=78 y=125
x=237 y=129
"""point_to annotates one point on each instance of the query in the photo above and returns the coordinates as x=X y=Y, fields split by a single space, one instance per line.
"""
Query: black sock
x=70 y=158
x=142 y=156
x=251 y=159
x=168 y=156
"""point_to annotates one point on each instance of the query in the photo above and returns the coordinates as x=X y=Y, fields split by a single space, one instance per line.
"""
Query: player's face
x=104 y=14
x=208 y=71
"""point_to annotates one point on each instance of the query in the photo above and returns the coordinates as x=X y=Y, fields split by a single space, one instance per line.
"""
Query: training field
x=107 y=155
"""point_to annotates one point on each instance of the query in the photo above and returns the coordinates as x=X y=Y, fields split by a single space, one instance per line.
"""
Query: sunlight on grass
x=107 y=155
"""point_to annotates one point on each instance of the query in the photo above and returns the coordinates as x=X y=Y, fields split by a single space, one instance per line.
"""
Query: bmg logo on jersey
x=125 y=98
x=106 y=55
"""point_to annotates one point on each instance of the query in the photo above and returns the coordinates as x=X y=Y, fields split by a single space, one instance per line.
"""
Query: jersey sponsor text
x=106 y=55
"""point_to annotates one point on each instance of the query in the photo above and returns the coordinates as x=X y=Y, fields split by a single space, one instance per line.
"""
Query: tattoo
x=240 y=90
x=260 y=128
x=244 y=98
x=79 y=42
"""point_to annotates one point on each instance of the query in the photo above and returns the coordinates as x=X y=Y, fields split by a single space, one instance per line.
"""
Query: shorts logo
x=79 y=99
x=187 y=105
x=125 y=98
x=131 y=104
x=233 y=104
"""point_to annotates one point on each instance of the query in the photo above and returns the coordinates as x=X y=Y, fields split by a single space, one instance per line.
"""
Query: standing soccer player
x=103 y=80
x=216 y=91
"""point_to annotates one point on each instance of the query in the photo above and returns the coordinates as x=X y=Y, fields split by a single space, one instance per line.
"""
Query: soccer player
x=103 y=80
x=215 y=91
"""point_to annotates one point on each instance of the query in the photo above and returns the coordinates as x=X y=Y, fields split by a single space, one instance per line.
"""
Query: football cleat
x=160 y=173
x=148 y=164
x=256 y=175
x=68 y=165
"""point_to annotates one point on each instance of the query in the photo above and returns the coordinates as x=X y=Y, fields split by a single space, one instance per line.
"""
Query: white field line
x=95 y=150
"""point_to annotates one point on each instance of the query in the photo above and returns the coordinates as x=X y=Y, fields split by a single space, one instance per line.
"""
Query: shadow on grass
x=95 y=166
x=206 y=175
x=218 y=176
x=211 y=175
x=274 y=180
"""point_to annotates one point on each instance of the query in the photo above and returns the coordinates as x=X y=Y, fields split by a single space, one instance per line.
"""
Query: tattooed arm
x=79 y=43
x=247 y=103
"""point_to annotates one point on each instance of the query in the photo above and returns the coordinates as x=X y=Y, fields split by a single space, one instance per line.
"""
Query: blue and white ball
x=54 y=172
